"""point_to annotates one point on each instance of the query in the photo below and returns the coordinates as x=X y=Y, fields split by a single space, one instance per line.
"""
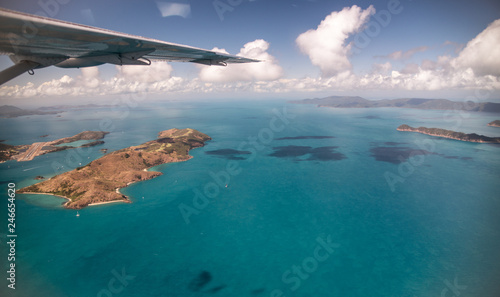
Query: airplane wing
x=35 y=42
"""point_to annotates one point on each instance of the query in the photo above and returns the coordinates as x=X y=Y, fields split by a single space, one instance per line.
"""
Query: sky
x=310 y=48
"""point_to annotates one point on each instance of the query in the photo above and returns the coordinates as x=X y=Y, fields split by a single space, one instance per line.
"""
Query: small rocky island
x=495 y=123
x=27 y=152
x=472 y=137
x=100 y=180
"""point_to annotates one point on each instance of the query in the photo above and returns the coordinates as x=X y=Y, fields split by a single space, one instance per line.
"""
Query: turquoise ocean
x=319 y=202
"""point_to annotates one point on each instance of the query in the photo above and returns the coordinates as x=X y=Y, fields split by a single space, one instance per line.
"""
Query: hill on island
x=418 y=103
x=10 y=111
x=495 y=123
x=100 y=180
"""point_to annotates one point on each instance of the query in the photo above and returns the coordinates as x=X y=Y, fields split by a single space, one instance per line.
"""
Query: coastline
x=33 y=193
x=448 y=134
x=107 y=202
x=127 y=200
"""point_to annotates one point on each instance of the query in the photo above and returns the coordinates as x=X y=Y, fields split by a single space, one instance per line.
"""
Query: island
x=100 y=181
x=9 y=111
x=417 y=103
x=472 y=137
x=29 y=151
x=495 y=123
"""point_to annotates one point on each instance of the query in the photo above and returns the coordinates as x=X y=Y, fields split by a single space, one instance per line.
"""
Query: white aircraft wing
x=34 y=42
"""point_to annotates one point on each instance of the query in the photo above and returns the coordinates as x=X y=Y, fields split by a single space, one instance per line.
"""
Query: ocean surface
x=286 y=200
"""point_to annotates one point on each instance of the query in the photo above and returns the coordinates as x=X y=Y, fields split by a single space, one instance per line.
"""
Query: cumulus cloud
x=267 y=69
x=157 y=71
x=90 y=77
x=326 y=45
x=482 y=54
x=477 y=66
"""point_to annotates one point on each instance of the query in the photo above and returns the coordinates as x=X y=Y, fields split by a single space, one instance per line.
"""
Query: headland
x=29 y=151
x=472 y=137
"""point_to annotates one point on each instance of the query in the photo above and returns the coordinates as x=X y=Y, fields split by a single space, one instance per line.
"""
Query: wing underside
x=44 y=42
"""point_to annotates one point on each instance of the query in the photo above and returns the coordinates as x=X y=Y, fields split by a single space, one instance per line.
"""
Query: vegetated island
x=495 y=123
x=472 y=137
x=100 y=181
x=417 y=103
x=27 y=152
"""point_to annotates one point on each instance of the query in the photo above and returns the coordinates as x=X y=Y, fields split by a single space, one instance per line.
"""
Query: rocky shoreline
x=472 y=137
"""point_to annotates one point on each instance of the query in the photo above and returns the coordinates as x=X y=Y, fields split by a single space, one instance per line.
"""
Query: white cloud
x=174 y=9
x=267 y=69
x=88 y=15
x=90 y=77
x=382 y=68
x=411 y=68
x=157 y=71
x=482 y=54
x=476 y=67
x=326 y=45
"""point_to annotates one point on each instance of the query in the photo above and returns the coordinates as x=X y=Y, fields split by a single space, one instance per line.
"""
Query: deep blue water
x=322 y=202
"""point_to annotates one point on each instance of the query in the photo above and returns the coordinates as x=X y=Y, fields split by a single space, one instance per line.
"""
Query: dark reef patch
x=325 y=153
x=395 y=154
x=215 y=289
x=290 y=151
x=305 y=137
x=230 y=154
x=392 y=153
x=371 y=117
x=200 y=281
x=257 y=291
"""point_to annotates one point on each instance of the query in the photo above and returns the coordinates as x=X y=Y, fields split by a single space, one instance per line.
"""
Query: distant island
x=100 y=181
x=75 y=107
x=418 y=103
x=29 y=151
x=9 y=111
x=473 y=137
x=495 y=123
